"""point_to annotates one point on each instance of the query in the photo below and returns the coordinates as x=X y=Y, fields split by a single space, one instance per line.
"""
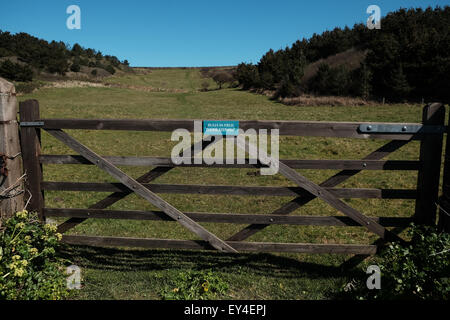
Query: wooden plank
x=11 y=181
x=295 y=164
x=112 y=198
x=444 y=200
x=323 y=194
x=369 y=193
x=333 y=181
x=291 y=128
x=221 y=217
x=116 y=196
x=430 y=157
x=30 y=141
x=202 y=245
x=134 y=185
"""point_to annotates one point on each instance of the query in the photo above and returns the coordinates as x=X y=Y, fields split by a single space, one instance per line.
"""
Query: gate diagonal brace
x=139 y=189
x=333 y=181
x=321 y=193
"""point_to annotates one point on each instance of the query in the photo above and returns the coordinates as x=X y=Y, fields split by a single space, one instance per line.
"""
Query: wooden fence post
x=444 y=201
x=429 y=173
x=31 y=150
x=11 y=184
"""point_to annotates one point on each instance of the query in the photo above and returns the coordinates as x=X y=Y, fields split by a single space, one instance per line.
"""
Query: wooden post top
x=8 y=109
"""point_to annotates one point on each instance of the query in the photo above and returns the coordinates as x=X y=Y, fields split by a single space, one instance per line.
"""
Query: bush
x=59 y=66
x=27 y=87
x=94 y=72
x=418 y=270
x=195 y=285
x=15 y=71
x=75 y=67
x=110 y=69
x=29 y=268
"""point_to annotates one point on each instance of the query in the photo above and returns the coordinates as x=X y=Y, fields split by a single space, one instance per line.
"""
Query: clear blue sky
x=189 y=33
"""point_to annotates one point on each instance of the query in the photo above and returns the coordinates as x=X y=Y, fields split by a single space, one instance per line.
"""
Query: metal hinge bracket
x=401 y=128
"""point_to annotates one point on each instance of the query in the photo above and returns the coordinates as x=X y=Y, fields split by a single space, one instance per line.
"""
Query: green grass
x=181 y=79
x=141 y=274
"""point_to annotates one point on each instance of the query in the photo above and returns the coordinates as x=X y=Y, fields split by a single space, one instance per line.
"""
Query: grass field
x=113 y=273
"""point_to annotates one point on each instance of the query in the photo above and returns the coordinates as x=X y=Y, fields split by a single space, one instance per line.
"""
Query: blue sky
x=189 y=33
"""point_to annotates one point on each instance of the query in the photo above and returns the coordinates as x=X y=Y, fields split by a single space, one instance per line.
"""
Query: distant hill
x=24 y=57
x=407 y=59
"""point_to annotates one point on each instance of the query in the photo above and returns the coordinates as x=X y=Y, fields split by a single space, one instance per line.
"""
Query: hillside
x=407 y=59
x=351 y=59
x=24 y=58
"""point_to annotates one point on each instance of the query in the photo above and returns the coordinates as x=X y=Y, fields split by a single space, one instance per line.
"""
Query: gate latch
x=32 y=124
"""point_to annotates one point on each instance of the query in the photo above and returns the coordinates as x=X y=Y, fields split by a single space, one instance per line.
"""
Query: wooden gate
x=429 y=132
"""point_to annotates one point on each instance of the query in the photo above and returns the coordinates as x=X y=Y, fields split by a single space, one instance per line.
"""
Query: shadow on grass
x=258 y=264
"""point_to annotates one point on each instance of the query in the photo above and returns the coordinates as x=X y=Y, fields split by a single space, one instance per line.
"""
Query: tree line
x=37 y=55
x=407 y=59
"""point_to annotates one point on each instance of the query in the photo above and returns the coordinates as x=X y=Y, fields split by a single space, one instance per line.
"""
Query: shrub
x=418 y=270
x=94 y=72
x=75 y=67
x=59 y=66
x=15 y=71
x=27 y=87
x=29 y=268
x=110 y=69
x=195 y=285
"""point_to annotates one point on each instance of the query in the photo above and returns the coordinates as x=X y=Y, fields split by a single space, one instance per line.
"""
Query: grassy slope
x=128 y=274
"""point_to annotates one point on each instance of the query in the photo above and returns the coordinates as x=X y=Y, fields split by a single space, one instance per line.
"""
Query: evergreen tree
x=397 y=81
x=407 y=59
x=247 y=75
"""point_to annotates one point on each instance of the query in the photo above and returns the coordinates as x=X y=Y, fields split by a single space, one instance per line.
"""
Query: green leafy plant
x=29 y=268
x=28 y=87
x=195 y=285
x=418 y=270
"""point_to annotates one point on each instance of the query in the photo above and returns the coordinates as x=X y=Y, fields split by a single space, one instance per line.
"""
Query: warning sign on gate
x=217 y=128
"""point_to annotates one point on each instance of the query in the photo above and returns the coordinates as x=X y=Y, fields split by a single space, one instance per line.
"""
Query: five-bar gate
x=429 y=132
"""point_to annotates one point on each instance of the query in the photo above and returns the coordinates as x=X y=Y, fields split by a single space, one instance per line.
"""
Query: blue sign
x=217 y=128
